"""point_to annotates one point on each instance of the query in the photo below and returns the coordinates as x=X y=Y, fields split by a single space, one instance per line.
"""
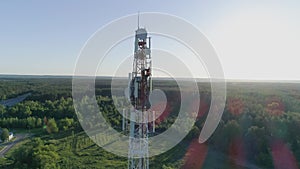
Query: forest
x=259 y=127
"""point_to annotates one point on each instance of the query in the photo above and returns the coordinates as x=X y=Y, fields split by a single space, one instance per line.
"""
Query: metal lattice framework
x=140 y=87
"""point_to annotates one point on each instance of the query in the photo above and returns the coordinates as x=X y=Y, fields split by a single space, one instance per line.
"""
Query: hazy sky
x=254 y=39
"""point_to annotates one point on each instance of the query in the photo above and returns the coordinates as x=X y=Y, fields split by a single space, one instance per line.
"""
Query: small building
x=11 y=135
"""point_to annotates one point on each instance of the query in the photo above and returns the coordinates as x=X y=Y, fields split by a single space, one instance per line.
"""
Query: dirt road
x=9 y=145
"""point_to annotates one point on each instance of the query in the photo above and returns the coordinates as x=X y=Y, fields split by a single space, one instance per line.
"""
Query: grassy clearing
x=36 y=131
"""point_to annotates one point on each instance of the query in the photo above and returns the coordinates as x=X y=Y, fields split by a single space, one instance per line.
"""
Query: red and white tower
x=140 y=86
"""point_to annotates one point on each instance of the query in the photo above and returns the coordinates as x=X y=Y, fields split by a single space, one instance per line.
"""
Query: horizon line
x=162 y=77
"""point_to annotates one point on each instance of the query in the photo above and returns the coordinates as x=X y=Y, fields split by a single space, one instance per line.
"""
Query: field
x=259 y=127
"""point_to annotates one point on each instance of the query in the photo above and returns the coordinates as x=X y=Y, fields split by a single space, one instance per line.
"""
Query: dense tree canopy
x=4 y=134
x=52 y=126
x=36 y=155
x=257 y=116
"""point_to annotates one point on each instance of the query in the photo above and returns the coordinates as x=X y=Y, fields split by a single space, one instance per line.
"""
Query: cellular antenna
x=140 y=124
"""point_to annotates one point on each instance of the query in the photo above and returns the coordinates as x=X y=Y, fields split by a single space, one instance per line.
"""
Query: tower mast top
x=138 y=20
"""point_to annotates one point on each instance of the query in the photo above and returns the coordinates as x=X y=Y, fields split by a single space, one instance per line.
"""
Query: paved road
x=9 y=145
x=13 y=101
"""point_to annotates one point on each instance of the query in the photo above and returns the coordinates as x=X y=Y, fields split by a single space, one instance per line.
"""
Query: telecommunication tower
x=140 y=86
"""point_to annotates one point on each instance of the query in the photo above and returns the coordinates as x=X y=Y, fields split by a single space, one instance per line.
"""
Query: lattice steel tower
x=140 y=86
